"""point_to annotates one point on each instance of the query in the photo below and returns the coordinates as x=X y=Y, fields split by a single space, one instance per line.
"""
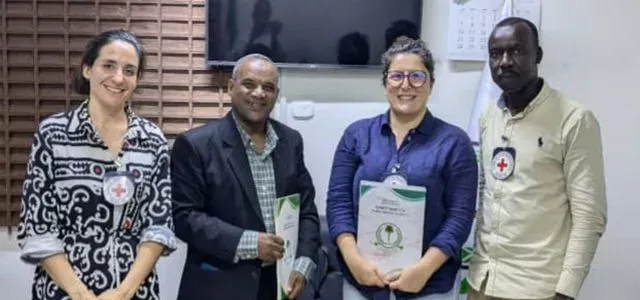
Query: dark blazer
x=215 y=200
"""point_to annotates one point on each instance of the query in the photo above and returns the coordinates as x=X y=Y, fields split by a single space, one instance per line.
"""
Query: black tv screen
x=308 y=33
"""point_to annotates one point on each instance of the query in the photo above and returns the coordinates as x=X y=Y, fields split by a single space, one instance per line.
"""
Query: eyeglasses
x=416 y=78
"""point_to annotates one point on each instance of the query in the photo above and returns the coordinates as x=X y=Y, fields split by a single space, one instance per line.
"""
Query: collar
x=543 y=94
x=424 y=127
x=81 y=122
x=270 y=140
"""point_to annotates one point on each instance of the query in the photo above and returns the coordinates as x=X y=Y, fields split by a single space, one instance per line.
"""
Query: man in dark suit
x=226 y=176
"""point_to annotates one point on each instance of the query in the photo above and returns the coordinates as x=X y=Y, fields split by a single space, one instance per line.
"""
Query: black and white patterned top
x=63 y=209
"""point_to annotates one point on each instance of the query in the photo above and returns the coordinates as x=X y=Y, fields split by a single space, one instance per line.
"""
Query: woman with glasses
x=407 y=145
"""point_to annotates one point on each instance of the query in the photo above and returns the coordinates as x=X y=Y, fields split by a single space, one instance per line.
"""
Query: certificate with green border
x=287 y=220
x=391 y=224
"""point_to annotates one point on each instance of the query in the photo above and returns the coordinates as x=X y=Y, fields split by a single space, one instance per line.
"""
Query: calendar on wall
x=471 y=22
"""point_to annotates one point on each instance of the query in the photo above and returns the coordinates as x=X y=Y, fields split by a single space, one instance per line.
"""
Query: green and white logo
x=389 y=237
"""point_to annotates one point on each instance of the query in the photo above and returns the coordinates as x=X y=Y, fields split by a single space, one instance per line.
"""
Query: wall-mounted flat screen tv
x=308 y=33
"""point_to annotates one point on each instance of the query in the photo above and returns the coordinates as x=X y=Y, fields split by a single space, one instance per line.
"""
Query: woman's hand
x=115 y=294
x=82 y=294
x=365 y=272
x=412 y=279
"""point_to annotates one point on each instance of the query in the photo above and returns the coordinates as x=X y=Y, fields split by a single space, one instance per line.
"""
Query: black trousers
x=268 y=284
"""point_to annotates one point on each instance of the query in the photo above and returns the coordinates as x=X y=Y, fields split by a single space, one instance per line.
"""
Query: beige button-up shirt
x=538 y=229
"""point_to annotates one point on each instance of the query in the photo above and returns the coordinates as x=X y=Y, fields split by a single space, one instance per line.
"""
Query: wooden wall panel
x=42 y=43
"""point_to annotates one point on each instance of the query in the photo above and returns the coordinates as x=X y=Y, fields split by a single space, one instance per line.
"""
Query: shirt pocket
x=549 y=149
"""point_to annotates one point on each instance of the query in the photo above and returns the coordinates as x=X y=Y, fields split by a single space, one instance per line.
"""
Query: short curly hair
x=412 y=46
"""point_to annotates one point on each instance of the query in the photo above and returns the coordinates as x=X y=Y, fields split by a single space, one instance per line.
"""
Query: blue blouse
x=436 y=155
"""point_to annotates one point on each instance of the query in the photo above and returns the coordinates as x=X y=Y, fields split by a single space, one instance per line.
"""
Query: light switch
x=302 y=109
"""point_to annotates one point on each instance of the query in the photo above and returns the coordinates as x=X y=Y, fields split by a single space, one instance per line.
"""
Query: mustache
x=507 y=72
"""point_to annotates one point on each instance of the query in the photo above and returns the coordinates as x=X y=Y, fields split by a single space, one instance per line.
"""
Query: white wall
x=591 y=53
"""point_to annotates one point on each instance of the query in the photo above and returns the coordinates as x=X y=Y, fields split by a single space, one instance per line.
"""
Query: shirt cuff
x=570 y=283
x=161 y=235
x=38 y=247
x=247 y=247
x=338 y=229
x=304 y=266
x=449 y=250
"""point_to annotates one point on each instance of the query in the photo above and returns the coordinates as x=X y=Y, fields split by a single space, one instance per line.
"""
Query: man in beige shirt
x=543 y=206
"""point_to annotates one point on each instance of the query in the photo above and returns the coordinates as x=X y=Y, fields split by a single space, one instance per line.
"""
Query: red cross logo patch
x=118 y=189
x=503 y=164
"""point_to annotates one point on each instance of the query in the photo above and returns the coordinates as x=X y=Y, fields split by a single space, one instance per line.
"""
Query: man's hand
x=296 y=285
x=365 y=272
x=412 y=279
x=114 y=294
x=270 y=247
